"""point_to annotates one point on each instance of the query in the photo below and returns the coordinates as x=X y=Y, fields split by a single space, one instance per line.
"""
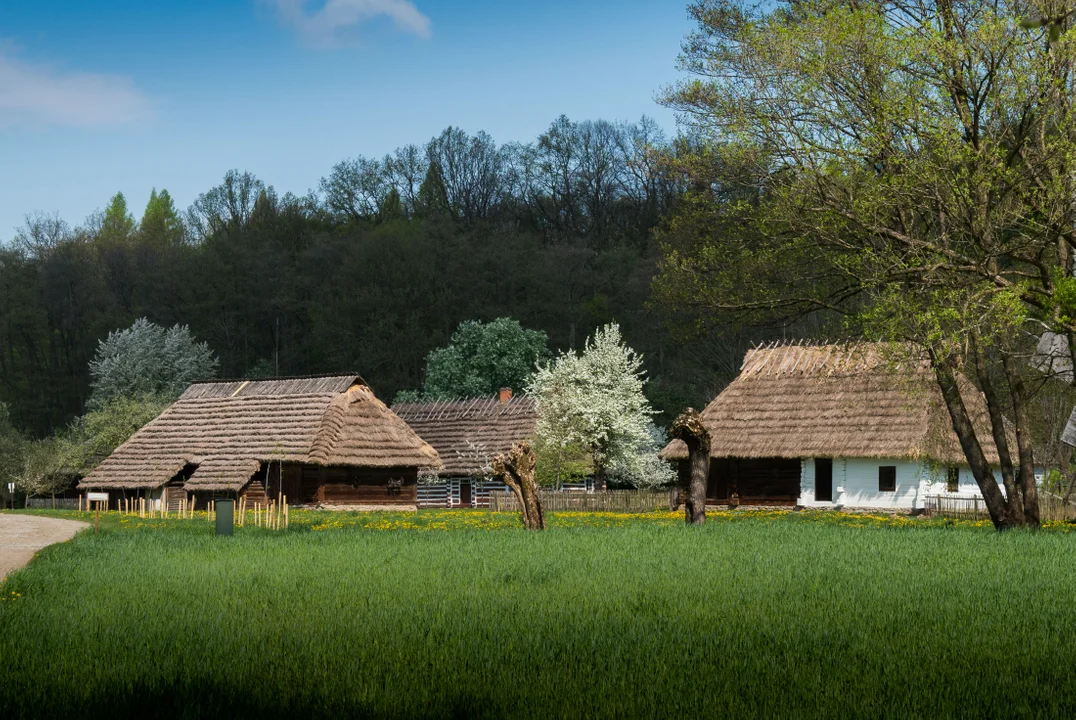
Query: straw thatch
x=467 y=433
x=867 y=400
x=228 y=429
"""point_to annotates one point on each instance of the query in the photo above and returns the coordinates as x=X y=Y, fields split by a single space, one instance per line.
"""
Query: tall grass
x=763 y=617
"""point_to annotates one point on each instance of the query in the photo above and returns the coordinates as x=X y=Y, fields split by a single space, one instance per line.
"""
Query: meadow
x=456 y=614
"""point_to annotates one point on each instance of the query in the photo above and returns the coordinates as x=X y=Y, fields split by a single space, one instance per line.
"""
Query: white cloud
x=36 y=93
x=323 y=26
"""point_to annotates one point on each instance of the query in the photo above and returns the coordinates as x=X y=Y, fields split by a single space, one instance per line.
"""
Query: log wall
x=368 y=486
x=757 y=481
x=313 y=484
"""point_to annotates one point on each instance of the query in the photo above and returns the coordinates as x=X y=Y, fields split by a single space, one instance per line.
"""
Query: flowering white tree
x=147 y=359
x=595 y=400
x=642 y=468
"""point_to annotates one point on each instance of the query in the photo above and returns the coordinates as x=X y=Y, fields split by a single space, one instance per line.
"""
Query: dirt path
x=23 y=535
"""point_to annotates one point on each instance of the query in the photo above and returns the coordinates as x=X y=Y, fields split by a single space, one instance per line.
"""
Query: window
x=952 y=480
x=887 y=478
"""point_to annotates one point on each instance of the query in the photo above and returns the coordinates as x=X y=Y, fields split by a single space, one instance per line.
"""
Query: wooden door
x=823 y=479
x=310 y=479
x=291 y=483
x=465 y=493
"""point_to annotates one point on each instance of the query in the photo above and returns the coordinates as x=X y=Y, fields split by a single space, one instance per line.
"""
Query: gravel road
x=23 y=535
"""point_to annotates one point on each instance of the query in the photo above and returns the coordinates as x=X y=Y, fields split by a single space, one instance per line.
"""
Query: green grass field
x=461 y=614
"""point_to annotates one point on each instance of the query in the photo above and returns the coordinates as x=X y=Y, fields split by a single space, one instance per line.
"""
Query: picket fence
x=1051 y=507
x=625 y=501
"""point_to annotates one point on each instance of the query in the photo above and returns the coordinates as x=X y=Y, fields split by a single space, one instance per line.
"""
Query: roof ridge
x=316 y=376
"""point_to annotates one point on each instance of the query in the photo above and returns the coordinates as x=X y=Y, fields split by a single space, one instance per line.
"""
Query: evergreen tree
x=432 y=194
x=392 y=208
x=161 y=224
x=117 y=224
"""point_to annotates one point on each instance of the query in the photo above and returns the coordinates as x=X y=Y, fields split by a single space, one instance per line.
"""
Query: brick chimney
x=504 y=395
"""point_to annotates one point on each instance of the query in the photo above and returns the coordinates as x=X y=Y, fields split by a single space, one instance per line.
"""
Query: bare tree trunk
x=1023 y=442
x=1066 y=459
x=516 y=469
x=969 y=442
x=1072 y=486
x=599 y=476
x=689 y=428
x=1013 y=496
x=683 y=482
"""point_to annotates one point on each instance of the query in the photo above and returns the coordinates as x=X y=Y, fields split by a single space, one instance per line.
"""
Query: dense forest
x=370 y=271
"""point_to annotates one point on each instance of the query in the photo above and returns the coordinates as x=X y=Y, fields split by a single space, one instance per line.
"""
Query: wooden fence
x=52 y=503
x=961 y=508
x=626 y=501
x=1051 y=507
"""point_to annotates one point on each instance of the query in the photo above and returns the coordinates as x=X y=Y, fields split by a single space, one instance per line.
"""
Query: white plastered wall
x=855 y=484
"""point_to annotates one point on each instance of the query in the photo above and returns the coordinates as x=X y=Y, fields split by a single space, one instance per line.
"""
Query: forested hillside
x=368 y=272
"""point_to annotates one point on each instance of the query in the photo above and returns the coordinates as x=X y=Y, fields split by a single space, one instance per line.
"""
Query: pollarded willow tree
x=908 y=165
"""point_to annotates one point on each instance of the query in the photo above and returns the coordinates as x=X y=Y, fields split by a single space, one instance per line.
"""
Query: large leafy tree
x=93 y=437
x=910 y=167
x=482 y=358
x=594 y=400
x=229 y=207
x=148 y=360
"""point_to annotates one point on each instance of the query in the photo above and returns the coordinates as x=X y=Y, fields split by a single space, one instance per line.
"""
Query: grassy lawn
x=461 y=614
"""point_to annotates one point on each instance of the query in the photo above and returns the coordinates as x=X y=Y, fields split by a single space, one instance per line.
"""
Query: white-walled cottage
x=860 y=426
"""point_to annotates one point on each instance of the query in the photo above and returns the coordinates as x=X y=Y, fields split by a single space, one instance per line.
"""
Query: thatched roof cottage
x=325 y=440
x=466 y=434
x=859 y=425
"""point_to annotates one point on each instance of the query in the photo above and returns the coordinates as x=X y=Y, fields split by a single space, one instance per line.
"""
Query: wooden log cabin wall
x=333 y=485
x=756 y=481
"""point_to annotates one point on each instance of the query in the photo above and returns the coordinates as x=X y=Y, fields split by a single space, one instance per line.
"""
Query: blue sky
x=117 y=95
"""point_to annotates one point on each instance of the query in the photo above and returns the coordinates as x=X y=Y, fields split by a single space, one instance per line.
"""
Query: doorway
x=465 y=493
x=823 y=479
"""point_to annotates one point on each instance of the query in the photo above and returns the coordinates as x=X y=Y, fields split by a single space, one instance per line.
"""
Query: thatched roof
x=228 y=429
x=866 y=400
x=466 y=433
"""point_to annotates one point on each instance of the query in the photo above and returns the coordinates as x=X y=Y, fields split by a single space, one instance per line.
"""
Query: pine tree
x=161 y=224
x=117 y=224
